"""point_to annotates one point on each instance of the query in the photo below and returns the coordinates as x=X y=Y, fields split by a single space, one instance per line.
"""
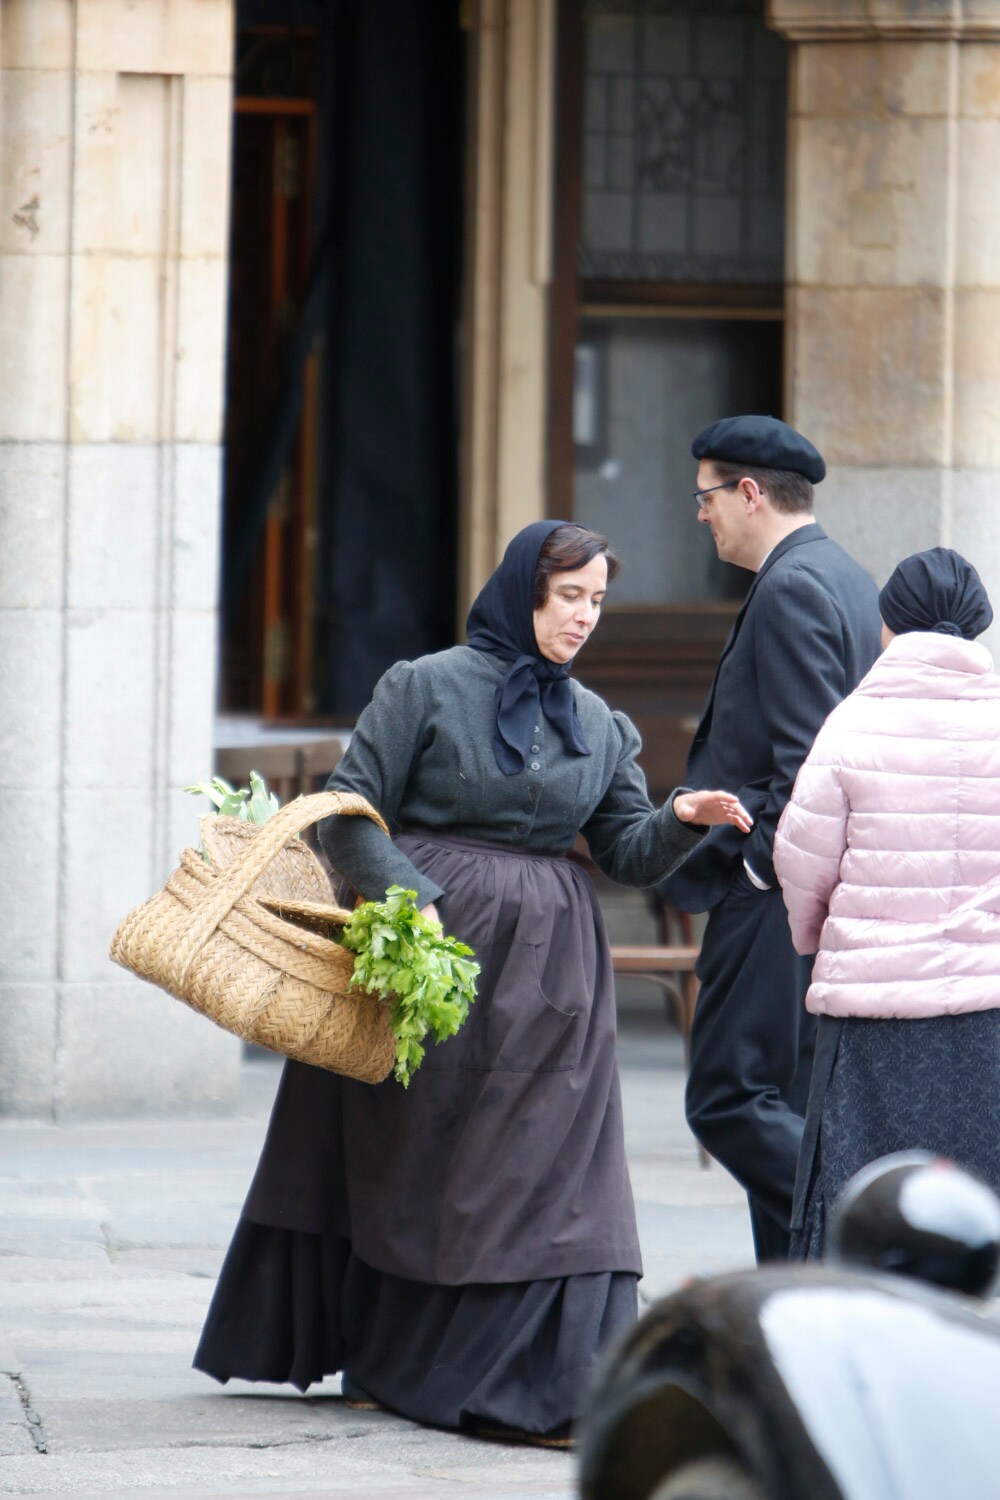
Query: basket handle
x=242 y=874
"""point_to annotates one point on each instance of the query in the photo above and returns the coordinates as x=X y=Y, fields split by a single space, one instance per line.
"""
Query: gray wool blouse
x=422 y=753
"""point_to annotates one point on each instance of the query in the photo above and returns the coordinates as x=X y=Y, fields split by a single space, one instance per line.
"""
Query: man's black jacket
x=806 y=634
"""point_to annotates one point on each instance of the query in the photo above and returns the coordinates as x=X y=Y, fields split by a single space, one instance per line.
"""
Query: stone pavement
x=110 y=1238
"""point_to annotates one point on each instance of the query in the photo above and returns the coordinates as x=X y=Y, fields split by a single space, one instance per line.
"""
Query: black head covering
x=938 y=591
x=760 y=442
x=501 y=622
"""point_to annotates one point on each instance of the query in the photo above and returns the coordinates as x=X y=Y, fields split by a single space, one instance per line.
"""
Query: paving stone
x=111 y=1238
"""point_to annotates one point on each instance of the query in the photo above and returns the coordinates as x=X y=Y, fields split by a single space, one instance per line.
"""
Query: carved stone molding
x=912 y=20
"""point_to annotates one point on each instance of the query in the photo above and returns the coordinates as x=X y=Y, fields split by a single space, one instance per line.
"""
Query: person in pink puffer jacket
x=888 y=854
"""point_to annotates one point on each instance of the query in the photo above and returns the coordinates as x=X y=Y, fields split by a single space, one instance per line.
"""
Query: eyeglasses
x=700 y=494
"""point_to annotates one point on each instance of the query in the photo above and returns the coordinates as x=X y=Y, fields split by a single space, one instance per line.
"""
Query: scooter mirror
x=919 y=1215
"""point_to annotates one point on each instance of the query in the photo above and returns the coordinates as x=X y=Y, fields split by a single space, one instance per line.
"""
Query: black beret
x=762 y=443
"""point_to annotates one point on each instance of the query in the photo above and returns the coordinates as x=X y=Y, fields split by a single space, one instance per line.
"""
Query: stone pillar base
x=114 y=197
x=107 y=1049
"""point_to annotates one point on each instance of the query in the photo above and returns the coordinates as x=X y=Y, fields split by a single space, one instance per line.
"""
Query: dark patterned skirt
x=292 y=1307
x=885 y=1086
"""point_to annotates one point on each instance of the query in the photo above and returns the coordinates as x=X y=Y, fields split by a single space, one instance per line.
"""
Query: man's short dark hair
x=788 y=492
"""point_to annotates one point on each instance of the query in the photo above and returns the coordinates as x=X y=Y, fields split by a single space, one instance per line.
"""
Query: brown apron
x=505 y=1158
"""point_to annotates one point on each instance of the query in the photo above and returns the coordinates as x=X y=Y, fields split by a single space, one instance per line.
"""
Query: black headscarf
x=501 y=622
x=937 y=591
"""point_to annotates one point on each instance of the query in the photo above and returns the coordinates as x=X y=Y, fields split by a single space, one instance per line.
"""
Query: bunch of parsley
x=430 y=979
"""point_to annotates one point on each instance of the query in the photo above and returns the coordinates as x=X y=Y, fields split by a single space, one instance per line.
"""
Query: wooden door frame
x=570 y=297
x=287 y=543
x=565 y=291
x=507 y=282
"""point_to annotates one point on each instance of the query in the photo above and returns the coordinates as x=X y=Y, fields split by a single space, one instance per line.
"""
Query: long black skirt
x=885 y=1086
x=294 y=1307
x=463 y=1249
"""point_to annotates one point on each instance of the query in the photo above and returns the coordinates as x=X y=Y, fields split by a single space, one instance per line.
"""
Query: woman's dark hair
x=566 y=549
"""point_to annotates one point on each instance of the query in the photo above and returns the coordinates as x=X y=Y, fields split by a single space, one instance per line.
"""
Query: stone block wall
x=114 y=165
x=893 y=345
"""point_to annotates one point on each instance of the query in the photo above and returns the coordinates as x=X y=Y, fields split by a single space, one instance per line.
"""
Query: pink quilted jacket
x=889 y=850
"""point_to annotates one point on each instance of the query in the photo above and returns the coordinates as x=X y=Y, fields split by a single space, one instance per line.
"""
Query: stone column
x=508 y=274
x=114 y=155
x=893 y=346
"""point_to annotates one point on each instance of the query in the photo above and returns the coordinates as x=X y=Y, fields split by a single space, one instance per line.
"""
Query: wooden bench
x=671 y=966
x=661 y=963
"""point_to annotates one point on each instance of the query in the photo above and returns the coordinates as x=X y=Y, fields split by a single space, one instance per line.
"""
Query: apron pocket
x=512 y=1027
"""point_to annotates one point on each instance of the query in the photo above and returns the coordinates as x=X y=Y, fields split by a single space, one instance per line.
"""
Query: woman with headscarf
x=889 y=857
x=462 y=1249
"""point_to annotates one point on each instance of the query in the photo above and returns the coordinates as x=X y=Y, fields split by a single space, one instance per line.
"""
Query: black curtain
x=393 y=199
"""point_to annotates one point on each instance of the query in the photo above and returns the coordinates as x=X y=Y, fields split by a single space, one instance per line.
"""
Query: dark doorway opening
x=341 y=432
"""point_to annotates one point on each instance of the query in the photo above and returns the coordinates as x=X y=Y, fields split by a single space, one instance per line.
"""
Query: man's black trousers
x=751 y=1054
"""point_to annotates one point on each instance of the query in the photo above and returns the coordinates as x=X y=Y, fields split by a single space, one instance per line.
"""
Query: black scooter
x=875 y=1376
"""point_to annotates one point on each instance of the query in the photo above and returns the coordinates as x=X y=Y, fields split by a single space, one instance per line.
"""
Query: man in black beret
x=805 y=635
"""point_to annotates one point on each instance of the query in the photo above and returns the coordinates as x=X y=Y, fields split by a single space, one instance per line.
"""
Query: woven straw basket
x=246 y=941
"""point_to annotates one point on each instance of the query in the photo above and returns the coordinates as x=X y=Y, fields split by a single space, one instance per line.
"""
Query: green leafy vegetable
x=430 y=979
x=427 y=979
x=253 y=804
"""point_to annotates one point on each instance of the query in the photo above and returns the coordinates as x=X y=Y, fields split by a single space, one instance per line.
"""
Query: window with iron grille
x=684 y=114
